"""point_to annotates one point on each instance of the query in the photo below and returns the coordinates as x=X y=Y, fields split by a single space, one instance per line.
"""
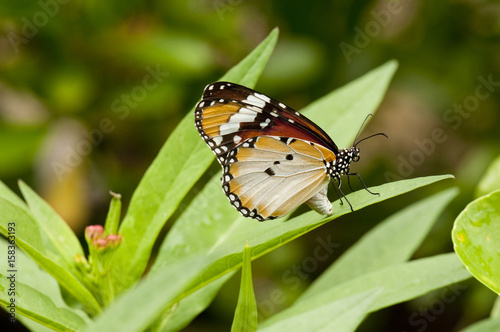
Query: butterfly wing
x=229 y=114
x=266 y=177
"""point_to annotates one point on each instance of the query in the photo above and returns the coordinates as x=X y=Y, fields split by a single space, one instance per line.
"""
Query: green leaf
x=42 y=287
x=180 y=163
x=31 y=303
x=176 y=280
x=341 y=112
x=33 y=240
x=210 y=217
x=225 y=228
x=267 y=236
x=57 y=231
x=246 y=317
x=476 y=239
x=491 y=179
x=396 y=239
x=113 y=217
x=495 y=311
x=9 y=195
x=341 y=315
x=485 y=325
x=152 y=296
x=196 y=223
x=190 y=306
x=400 y=282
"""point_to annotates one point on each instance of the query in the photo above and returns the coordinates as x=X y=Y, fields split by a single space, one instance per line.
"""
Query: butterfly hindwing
x=266 y=177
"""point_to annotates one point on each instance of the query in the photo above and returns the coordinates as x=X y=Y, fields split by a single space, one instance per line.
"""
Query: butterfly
x=273 y=158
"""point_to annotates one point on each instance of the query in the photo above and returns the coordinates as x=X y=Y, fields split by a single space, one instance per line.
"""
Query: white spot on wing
x=244 y=110
x=282 y=105
x=217 y=140
x=229 y=128
x=263 y=97
x=242 y=117
x=264 y=124
x=236 y=139
x=252 y=100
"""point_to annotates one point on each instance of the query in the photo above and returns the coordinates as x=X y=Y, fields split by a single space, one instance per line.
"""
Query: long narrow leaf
x=38 y=246
x=212 y=218
x=177 y=280
x=56 y=229
x=394 y=240
x=341 y=112
x=485 y=325
x=400 y=283
x=9 y=195
x=246 y=317
x=40 y=308
x=40 y=287
x=137 y=308
x=180 y=163
x=343 y=315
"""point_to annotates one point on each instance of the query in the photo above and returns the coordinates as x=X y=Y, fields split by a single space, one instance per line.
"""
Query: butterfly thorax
x=340 y=166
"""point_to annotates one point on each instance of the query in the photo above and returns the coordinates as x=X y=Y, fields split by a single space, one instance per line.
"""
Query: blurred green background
x=90 y=90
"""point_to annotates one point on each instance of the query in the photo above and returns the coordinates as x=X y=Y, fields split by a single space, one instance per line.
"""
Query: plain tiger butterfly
x=273 y=158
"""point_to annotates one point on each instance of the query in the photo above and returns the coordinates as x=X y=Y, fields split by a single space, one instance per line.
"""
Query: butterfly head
x=343 y=161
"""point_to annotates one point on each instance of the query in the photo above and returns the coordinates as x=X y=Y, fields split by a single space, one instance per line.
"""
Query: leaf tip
x=115 y=195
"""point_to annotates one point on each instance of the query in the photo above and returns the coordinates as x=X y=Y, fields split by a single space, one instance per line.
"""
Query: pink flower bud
x=113 y=239
x=100 y=244
x=93 y=232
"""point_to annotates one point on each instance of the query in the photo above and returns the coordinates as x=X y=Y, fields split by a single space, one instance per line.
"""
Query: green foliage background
x=67 y=65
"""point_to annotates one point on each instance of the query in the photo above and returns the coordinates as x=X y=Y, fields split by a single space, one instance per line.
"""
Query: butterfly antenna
x=364 y=139
x=359 y=131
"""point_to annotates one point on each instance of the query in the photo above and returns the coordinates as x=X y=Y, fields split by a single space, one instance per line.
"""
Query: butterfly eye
x=355 y=158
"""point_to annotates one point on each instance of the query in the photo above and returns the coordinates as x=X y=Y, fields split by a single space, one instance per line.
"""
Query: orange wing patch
x=215 y=116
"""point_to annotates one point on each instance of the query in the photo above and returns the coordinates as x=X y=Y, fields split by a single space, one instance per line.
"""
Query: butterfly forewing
x=229 y=114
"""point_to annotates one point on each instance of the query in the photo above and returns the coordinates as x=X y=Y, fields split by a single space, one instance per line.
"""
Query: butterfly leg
x=349 y=183
x=338 y=195
x=361 y=180
x=338 y=190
